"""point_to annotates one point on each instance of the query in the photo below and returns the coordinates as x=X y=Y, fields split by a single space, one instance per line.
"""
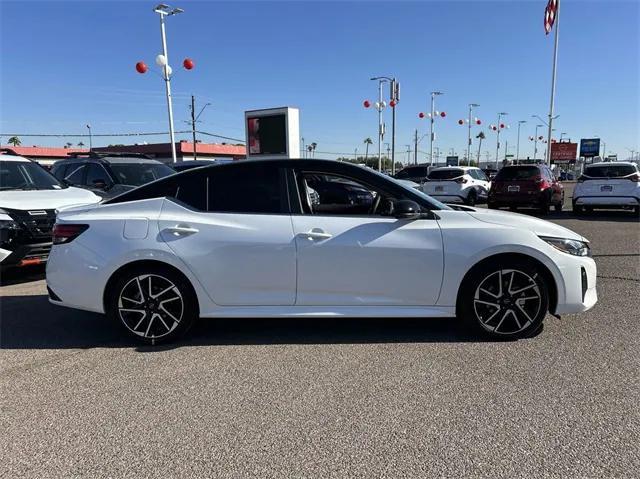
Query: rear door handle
x=317 y=233
x=180 y=230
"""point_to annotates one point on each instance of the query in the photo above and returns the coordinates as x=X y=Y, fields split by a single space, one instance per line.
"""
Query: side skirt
x=331 y=312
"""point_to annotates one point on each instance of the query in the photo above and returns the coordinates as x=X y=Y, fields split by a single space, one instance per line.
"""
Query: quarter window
x=74 y=173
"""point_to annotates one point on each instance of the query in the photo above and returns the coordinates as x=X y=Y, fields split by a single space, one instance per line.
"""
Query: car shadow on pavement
x=31 y=322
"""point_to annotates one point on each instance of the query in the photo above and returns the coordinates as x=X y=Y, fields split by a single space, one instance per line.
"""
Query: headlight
x=569 y=246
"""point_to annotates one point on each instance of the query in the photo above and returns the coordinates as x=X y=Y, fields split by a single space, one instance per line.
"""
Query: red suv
x=526 y=186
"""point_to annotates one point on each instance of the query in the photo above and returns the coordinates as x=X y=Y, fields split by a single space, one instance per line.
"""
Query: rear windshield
x=26 y=175
x=516 y=173
x=412 y=172
x=609 y=171
x=445 y=174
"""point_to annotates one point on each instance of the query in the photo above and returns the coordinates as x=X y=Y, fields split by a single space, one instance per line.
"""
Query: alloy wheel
x=507 y=301
x=150 y=306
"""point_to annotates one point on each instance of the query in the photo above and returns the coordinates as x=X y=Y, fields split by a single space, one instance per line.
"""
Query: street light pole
x=431 y=117
x=164 y=10
x=471 y=107
x=520 y=122
x=500 y=115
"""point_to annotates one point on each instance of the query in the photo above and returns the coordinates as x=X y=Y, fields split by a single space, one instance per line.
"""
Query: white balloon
x=169 y=70
x=161 y=60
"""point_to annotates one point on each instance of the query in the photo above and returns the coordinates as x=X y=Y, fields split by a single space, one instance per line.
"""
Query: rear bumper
x=24 y=255
x=606 y=201
x=516 y=200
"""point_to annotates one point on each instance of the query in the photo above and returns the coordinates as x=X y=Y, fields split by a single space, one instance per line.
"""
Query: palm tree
x=367 y=142
x=313 y=149
x=15 y=141
x=80 y=144
x=68 y=144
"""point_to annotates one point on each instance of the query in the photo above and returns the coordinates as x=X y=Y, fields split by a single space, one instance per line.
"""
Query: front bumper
x=579 y=286
x=24 y=255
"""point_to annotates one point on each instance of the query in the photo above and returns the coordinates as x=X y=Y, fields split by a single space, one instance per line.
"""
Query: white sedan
x=246 y=240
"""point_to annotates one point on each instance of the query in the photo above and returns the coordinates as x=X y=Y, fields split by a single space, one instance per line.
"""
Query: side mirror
x=406 y=210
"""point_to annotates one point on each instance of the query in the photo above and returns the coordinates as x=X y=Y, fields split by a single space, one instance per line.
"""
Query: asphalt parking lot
x=328 y=398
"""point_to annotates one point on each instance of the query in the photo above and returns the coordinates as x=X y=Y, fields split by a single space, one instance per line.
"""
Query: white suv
x=608 y=185
x=457 y=184
x=29 y=197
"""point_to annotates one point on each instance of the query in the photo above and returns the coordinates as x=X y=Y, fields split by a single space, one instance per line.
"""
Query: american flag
x=550 y=15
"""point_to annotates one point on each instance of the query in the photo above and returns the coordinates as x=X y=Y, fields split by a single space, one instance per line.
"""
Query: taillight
x=65 y=233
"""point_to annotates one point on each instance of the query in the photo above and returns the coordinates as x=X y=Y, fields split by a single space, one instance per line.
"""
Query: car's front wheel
x=472 y=197
x=154 y=304
x=504 y=300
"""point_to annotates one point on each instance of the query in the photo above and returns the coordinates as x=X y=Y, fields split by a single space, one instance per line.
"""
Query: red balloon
x=366 y=103
x=421 y=115
x=540 y=137
x=460 y=122
x=188 y=64
x=478 y=122
x=443 y=114
x=392 y=103
x=494 y=127
x=141 y=67
x=501 y=125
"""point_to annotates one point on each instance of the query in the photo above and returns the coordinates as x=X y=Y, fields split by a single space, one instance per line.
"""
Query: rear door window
x=412 y=172
x=247 y=189
x=74 y=174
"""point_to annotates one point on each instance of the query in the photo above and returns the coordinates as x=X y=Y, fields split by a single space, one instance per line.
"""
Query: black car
x=416 y=173
x=109 y=174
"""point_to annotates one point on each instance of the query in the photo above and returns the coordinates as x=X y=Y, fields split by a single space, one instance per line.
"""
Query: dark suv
x=533 y=186
x=109 y=174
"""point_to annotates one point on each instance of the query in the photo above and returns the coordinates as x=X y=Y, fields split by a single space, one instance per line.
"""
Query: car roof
x=445 y=168
x=15 y=158
x=107 y=159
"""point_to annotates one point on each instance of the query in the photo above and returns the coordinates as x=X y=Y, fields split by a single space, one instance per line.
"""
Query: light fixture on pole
x=163 y=60
x=431 y=121
x=380 y=105
x=471 y=107
x=551 y=18
x=535 y=141
x=499 y=127
x=194 y=119
x=90 y=138
x=520 y=122
x=562 y=136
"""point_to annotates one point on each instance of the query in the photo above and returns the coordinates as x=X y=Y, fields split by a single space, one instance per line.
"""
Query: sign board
x=563 y=152
x=452 y=161
x=589 y=147
x=273 y=133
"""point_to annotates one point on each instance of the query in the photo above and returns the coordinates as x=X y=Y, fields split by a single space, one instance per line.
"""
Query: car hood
x=520 y=221
x=46 y=199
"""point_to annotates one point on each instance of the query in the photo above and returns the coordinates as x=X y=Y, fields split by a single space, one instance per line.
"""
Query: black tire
x=515 y=311
x=578 y=210
x=472 y=197
x=558 y=207
x=636 y=210
x=544 y=208
x=492 y=206
x=153 y=304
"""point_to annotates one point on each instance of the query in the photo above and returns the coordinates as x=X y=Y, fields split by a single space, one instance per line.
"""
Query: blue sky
x=65 y=64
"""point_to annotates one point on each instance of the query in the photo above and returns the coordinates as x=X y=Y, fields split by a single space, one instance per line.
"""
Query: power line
x=85 y=135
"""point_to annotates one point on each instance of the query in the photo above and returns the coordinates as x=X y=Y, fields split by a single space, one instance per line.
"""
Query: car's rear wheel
x=504 y=300
x=154 y=304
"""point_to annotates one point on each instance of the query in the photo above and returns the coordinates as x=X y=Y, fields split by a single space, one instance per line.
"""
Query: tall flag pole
x=551 y=17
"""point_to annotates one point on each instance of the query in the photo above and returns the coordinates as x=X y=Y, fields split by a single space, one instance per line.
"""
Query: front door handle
x=181 y=230
x=317 y=234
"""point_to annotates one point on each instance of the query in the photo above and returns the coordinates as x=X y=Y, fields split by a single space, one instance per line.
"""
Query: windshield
x=136 y=174
x=23 y=175
x=517 y=173
x=609 y=171
x=445 y=174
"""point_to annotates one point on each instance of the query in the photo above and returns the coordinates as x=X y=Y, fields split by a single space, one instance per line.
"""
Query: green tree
x=15 y=141
x=80 y=144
